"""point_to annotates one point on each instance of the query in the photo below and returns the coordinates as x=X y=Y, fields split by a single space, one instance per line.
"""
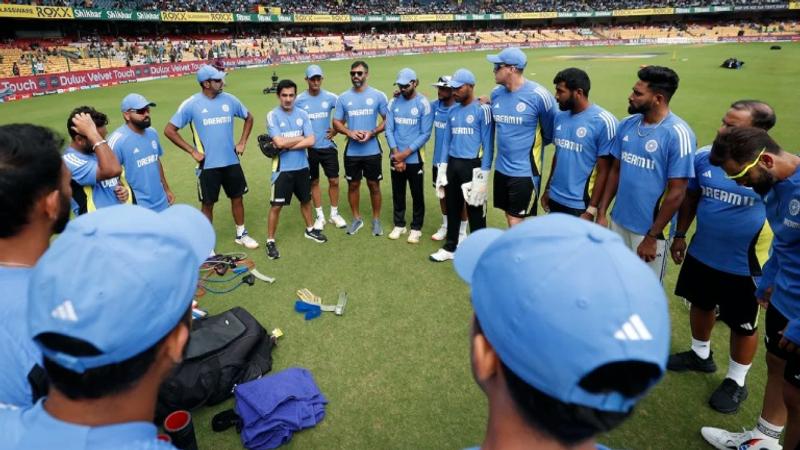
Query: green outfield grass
x=396 y=367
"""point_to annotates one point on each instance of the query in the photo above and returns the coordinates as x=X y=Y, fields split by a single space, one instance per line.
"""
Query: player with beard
x=97 y=178
x=582 y=133
x=356 y=116
x=35 y=197
x=139 y=151
x=653 y=151
x=750 y=157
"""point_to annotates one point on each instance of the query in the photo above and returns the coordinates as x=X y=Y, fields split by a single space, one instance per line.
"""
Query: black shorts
x=556 y=207
x=297 y=182
x=231 y=178
x=706 y=288
x=514 y=194
x=369 y=167
x=328 y=158
x=775 y=322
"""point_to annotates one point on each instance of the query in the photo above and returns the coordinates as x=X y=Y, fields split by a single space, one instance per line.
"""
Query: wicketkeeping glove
x=267 y=146
x=478 y=193
x=441 y=180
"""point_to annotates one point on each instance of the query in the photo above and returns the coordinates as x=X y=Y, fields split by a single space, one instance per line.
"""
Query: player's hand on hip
x=647 y=249
x=678 y=250
x=330 y=133
x=545 y=200
x=197 y=156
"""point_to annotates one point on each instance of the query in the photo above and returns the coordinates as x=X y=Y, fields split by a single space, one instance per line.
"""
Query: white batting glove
x=441 y=179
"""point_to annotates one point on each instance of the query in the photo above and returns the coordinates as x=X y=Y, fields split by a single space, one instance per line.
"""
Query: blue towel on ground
x=272 y=408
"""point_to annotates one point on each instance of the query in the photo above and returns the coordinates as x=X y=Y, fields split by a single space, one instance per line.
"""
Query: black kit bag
x=224 y=350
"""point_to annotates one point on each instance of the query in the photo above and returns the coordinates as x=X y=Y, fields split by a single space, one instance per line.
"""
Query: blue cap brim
x=455 y=84
x=494 y=59
x=470 y=251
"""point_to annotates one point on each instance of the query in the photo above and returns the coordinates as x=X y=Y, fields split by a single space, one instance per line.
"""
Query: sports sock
x=701 y=348
x=444 y=220
x=320 y=213
x=240 y=230
x=737 y=372
x=334 y=210
x=463 y=229
x=309 y=229
x=270 y=240
x=766 y=430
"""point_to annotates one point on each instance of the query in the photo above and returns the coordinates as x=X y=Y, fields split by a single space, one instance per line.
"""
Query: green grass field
x=396 y=367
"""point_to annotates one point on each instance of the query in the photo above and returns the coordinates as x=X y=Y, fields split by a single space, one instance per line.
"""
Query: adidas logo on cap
x=633 y=330
x=65 y=311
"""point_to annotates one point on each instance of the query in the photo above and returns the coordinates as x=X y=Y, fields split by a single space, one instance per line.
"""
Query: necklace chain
x=649 y=129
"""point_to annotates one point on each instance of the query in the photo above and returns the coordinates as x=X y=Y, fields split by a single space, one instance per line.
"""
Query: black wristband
x=680 y=235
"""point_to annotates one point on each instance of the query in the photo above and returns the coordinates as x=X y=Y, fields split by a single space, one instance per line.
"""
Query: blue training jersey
x=649 y=157
x=89 y=194
x=440 y=114
x=18 y=353
x=782 y=270
x=139 y=154
x=35 y=428
x=408 y=126
x=732 y=234
x=579 y=140
x=319 y=109
x=523 y=121
x=360 y=111
x=469 y=133
x=211 y=123
x=290 y=125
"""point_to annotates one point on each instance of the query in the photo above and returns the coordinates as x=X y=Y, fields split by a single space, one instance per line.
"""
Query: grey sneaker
x=355 y=225
x=377 y=229
x=316 y=236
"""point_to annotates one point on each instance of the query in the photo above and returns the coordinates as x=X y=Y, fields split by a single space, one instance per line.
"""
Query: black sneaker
x=316 y=235
x=272 y=250
x=728 y=396
x=681 y=362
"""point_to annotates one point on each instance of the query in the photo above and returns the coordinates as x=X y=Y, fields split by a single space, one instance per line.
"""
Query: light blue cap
x=512 y=56
x=207 y=72
x=460 y=78
x=405 y=76
x=135 y=101
x=119 y=278
x=559 y=297
x=313 y=71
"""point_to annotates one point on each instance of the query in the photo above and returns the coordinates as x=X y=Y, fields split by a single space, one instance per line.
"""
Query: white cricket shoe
x=319 y=224
x=726 y=440
x=441 y=255
x=440 y=234
x=397 y=232
x=246 y=241
x=338 y=220
x=413 y=236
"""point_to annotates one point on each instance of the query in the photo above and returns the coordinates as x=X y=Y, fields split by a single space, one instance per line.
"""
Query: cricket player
x=356 y=116
x=319 y=103
x=653 y=152
x=210 y=114
x=582 y=134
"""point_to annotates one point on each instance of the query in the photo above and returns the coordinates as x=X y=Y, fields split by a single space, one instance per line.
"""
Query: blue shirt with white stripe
x=732 y=235
x=360 y=110
x=650 y=155
x=319 y=109
x=211 y=122
x=440 y=115
x=782 y=270
x=469 y=133
x=18 y=353
x=579 y=140
x=91 y=193
x=523 y=121
x=292 y=124
x=408 y=126
x=139 y=154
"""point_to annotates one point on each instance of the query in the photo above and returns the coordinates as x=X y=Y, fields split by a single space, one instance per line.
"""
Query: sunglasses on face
x=499 y=66
x=403 y=87
x=140 y=111
x=356 y=73
x=215 y=80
